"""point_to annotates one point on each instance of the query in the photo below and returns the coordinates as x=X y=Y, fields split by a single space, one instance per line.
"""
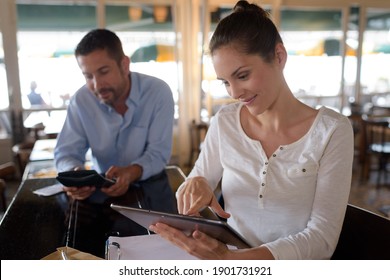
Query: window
x=148 y=37
x=313 y=70
x=4 y=100
x=47 y=36
x=46 y=59
x=213 y=92
x=375 y=76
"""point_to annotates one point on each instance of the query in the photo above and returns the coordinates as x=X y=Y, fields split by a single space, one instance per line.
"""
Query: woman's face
x=248 y=78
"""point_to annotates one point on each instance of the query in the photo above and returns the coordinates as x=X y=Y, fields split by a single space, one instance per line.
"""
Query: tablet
x=218 y=229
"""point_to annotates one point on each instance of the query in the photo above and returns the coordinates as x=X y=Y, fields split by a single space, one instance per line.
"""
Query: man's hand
x=124 y=176
x=79 y=193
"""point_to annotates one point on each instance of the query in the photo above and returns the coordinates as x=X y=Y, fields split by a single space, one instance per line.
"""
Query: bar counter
x=33 y=226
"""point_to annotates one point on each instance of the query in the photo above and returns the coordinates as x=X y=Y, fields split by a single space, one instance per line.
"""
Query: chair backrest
x=364 y=236
x=3 y=202
x=375 y=131
x=379 y=111
x=175 y=176
x=7 y=170
x=22 y=153
x=198 y=132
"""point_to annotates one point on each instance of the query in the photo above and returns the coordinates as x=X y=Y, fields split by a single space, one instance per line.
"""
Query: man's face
x=104 y=77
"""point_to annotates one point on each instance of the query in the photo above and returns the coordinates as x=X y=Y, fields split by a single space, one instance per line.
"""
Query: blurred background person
x=34 y=97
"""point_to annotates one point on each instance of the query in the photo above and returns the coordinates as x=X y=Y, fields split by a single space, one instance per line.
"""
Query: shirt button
x=264 y=172
x=303 y=170
x=261 y=196
x=266 y=163
x=274 y=155
x=281 y=148
x=262 y=184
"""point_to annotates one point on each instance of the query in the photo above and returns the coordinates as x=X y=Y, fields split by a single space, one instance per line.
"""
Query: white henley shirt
x=293 y=202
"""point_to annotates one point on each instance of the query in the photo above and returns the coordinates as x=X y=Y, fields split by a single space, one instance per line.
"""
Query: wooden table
x=43 y=150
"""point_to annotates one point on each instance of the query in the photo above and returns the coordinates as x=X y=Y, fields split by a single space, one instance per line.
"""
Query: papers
x=144 y=247
x=50 y=190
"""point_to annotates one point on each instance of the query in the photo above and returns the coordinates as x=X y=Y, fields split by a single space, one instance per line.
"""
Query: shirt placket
x=264 y=176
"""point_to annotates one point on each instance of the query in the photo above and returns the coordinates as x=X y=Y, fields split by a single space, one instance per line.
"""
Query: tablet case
x=81 y=178
x=216 y=229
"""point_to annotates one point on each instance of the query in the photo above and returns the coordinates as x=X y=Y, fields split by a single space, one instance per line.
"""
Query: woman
x=286 y=168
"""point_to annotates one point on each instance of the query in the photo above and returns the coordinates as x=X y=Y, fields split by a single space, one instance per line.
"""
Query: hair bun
x=243 y=6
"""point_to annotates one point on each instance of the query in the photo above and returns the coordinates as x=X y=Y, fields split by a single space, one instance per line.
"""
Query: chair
x=364 y=236
x=175 y=176
x=376 y=143
x=22 y=153
x=3 y=199
x=7 y=170
x=379 y=111
x=198 y=133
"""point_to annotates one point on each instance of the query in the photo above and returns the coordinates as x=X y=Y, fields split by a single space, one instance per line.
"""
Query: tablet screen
x=217 y=229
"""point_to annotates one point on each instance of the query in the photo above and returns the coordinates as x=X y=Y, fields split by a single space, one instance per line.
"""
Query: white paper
x=50 y=190
x=145 y=247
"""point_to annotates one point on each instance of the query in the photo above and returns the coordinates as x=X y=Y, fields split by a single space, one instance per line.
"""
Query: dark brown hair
x=249 y=29
x=101 y=39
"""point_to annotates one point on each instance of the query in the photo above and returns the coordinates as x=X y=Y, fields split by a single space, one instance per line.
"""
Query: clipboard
x=217 y=229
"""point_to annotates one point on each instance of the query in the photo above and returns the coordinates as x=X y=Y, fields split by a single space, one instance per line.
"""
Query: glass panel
x=46 y=59
x=47 y=36
x=56 y=17
x=214 y=93
x=5 y=127
x=313 y=70
x=350 y=66
x=149 y=38
x=4 y=101
x=375 y=75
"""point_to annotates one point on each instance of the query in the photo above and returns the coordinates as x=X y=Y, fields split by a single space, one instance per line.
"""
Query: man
x=126 y=120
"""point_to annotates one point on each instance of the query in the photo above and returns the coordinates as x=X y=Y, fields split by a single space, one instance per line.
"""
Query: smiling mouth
x=248 y=101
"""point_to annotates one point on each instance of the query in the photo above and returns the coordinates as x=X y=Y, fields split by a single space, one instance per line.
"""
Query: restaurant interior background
x=339 y=56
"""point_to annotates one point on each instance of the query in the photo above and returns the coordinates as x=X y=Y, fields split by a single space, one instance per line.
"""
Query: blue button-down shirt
x=142 y=136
